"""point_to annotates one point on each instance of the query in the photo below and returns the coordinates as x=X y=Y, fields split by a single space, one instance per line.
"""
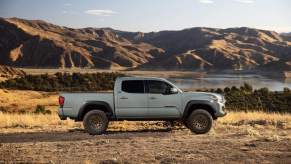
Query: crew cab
x=142 y=98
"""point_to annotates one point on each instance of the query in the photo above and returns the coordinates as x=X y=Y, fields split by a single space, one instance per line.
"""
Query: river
x=228 y=80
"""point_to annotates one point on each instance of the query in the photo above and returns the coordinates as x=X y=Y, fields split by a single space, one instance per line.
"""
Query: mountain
x=35 y=43
x=287 y=36
x=215 y=49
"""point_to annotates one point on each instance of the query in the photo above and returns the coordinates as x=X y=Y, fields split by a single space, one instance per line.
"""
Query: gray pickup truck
x=142 y=98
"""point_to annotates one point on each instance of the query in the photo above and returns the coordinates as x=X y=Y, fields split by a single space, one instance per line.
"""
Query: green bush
x=226 y=89
x=63 y=82
x=286 y=90
x=40 y=109
x=247 y=87
x=2 y=109
x=245 y=99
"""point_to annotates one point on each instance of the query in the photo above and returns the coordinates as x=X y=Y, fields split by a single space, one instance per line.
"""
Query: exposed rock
x=36 y=43
x=6 y=71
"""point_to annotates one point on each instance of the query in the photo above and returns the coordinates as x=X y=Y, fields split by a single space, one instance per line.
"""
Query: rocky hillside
x=6 y=71
x=209 y=48
x=287 y=36
x=40 y=44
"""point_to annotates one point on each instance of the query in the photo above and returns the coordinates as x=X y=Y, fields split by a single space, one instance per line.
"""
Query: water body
x=228 y=80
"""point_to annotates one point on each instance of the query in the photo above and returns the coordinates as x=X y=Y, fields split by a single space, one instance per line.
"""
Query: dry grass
x=257 y=118
x=260 y=125
x=47 y=139
x=29 y=122
x=23 y=100
x=164 y=73
x=3 y=78
x=51 y=71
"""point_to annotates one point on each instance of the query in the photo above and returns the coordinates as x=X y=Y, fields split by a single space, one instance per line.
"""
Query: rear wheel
x=200 y=121
x=95 y=122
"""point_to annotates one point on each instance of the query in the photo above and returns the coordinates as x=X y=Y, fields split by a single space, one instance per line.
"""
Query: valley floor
x=239 y=137
x=230 y=141
x=156 y=73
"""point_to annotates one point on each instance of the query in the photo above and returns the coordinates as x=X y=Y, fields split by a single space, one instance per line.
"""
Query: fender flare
x=109 y=111
x=211 y=105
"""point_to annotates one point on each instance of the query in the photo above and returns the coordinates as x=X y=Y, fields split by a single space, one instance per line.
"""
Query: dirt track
x=148 y=146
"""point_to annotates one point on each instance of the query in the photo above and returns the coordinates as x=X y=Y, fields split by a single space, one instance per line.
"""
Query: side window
x=132 y=86
x=158 y=87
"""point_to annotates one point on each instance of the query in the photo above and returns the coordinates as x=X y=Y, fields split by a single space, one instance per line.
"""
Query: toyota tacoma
x=142 y=98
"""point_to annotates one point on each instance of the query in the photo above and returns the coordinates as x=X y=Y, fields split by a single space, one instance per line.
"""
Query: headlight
x=214 y=98
x=222 y=100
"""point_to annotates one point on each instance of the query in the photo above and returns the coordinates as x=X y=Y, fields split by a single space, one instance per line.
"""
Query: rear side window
x=132 y=86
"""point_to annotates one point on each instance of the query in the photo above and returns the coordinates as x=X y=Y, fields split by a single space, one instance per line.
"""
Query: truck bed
x=74 y=101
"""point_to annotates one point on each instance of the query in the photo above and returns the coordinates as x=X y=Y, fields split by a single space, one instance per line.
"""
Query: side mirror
x=173 y=91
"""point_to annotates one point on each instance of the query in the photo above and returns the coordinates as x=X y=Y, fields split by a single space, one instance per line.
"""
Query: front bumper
x=220 y=112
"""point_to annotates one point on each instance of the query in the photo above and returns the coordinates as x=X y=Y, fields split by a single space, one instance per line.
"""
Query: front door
x=162 y=103
x=131 y=100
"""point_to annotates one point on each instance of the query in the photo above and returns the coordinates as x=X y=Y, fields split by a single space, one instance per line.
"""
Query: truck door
x=131 y=100
x=161 y=102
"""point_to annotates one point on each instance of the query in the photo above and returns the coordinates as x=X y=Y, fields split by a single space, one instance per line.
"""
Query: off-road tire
x=200 y=121
x=95 y=122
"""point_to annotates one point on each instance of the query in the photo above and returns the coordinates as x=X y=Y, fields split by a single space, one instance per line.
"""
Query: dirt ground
x=224 y=144
x=253 y=137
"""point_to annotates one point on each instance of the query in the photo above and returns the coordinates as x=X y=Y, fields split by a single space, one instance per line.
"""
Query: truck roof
x=139 y=78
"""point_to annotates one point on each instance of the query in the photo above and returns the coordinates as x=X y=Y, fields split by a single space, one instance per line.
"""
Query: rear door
x=162 y=104
x=131 y=100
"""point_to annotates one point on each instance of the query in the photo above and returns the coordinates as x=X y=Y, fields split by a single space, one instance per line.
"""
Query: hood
x=204 y=96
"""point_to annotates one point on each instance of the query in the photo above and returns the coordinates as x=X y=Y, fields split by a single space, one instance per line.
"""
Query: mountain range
x=39 y=44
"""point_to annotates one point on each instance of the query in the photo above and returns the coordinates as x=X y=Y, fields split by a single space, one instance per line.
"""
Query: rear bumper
x=62 y=118
x=61 y=113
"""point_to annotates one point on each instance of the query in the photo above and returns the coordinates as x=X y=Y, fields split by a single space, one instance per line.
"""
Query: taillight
x=61 y=100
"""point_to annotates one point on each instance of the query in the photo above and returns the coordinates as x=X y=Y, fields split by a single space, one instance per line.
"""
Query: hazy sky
x=154 y=15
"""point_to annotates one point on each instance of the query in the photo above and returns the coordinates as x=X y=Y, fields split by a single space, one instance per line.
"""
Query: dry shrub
x=273 y=138
x=16 y=100
x=32 y=120
x=252 y=132
x=277 y=120
x=250 y=121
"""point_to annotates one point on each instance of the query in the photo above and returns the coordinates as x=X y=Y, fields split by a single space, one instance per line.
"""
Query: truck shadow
x=79 y=135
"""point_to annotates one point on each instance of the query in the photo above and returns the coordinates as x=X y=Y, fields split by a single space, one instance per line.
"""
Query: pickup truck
x=142 y=98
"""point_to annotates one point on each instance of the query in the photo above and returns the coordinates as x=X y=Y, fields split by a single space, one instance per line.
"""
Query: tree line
x=63 y=82
x=245 y=98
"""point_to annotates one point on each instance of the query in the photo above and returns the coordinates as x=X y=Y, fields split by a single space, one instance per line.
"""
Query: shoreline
x=158 y=73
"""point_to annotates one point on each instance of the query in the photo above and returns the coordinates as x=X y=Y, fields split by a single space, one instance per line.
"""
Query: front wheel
x=95 y=122
x=200 y=121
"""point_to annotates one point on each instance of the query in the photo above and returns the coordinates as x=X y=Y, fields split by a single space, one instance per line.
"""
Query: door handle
x=123 y=98
x=153 y=98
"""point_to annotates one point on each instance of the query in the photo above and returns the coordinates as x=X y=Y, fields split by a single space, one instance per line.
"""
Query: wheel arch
x=199 y=104
x=93 y=105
